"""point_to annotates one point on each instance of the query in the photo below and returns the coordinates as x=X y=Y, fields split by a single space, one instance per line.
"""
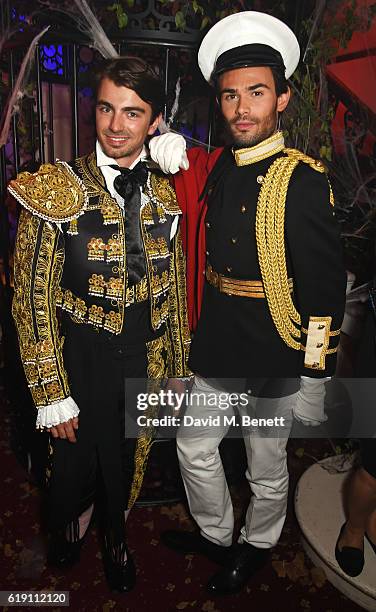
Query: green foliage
x=121 y=15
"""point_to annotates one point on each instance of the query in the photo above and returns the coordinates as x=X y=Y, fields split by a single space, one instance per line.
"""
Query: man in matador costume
x=98 y=239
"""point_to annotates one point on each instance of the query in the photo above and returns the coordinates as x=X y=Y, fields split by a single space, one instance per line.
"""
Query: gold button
x=243 y=209
x=260 y=179
x=207 y=224
x=234 y=240
x=229 y=269
x=207 y=252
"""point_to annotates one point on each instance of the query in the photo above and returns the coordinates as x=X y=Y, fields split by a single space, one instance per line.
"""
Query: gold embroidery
x=156 y=354
x=138 y=293
x=96 y=249
x=112 y=322
x=156 y=370
x=73 y=227
x=38 y=267
x=156 y=249
x=53 y=193
x=96 y=315
x=115 y=249
x=96 y=187
x=159 y=188
x=177 y=324
x=97 y=285
x=110 y=211
x=115 y=289
x=81 y=312
x=160 y=284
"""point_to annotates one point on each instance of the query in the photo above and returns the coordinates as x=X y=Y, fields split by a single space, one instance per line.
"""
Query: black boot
x=244 y=562
x=120 y=575
x=193 y=542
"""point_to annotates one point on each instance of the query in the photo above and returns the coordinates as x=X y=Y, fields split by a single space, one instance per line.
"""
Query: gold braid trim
x=270 y=223
x=177 y=323
x=156 y=365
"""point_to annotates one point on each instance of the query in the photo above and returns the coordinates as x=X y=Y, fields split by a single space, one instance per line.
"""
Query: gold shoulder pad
x=53 y=193
x=316 y=164
x=164 y=193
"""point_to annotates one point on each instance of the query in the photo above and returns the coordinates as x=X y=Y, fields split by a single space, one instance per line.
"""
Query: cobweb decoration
x=86 y=22
x=17 y=94
x=97 y=34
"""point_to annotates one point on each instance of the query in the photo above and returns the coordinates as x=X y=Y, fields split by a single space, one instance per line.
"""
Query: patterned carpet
x=167 y=581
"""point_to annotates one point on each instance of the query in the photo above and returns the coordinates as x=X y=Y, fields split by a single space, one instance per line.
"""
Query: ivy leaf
x=121 y=15
x=130 y=3
x=204 y=23
x=180 y=20
x=122 y=18
x=197 y=7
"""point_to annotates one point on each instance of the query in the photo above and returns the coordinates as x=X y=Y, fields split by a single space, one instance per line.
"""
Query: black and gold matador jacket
x=71 y=253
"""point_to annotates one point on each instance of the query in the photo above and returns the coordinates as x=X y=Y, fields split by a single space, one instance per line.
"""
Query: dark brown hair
x=134 y=73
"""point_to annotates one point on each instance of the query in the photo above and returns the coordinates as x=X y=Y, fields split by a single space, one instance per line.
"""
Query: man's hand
x=178 y=388
x=309 y=407
x=168 y=151
x=65 y=430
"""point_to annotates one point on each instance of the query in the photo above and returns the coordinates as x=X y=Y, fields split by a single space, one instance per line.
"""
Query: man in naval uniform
x=266 y=289
x=98 y=239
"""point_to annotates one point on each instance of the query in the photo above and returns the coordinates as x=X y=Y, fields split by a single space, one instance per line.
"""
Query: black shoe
x=245 y=561
x=373 y=546
x=63 y=554
x=120 y=577
x=350 y=559
x=193 y=542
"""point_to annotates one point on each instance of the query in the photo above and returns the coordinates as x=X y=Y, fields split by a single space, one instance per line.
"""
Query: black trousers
x=97 y=366
x=368 y=455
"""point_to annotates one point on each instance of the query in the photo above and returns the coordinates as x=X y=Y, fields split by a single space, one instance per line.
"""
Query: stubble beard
x=266 y=128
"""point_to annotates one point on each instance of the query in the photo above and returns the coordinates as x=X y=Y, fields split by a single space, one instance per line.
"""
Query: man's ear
x=283 y=100
x=153 y=126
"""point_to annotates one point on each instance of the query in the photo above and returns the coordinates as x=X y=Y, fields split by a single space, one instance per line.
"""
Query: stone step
x=320 y=514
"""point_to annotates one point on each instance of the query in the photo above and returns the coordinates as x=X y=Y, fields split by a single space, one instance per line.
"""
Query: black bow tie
x=128 y=180
x=128 y=184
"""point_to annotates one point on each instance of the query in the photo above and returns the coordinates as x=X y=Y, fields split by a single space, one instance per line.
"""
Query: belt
x=235 y=286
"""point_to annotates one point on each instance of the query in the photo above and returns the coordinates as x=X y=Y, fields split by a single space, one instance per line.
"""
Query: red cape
x=189 y=185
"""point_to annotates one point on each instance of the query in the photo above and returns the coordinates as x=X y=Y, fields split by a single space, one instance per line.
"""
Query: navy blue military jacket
x=236 y=336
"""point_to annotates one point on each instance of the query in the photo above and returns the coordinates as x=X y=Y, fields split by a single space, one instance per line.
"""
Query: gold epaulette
x=53 y=193
x=164 y=194
x=315 y=164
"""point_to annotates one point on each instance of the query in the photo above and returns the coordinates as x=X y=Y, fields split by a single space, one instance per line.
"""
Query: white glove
x=168 y=151
x=309 y=407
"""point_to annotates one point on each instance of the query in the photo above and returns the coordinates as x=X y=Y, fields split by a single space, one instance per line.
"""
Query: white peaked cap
x=248 y=28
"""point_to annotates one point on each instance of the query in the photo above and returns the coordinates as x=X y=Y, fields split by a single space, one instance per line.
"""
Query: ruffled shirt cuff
x=56 y=413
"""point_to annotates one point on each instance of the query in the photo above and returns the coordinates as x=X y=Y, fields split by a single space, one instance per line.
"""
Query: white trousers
x=204 y=478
